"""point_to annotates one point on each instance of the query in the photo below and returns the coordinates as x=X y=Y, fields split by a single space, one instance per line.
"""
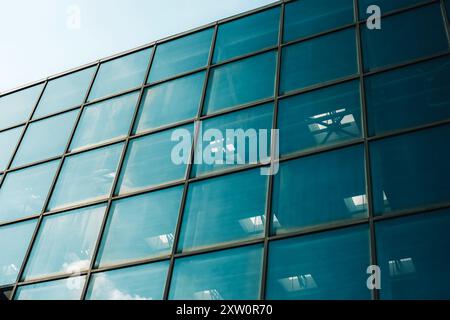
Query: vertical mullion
x=197 y=130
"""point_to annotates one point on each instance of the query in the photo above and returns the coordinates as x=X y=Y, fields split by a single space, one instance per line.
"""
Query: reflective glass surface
x=64 y=289
x=140 y=227
x=65 y=242
x=318 y=189
x=321 y=59
x=233 y=274
x=8 y=142
x=385 y=5
x=86 y=176
x=224 y=209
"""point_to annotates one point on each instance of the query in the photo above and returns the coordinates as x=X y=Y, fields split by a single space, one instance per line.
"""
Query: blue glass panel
x=306 y=17
x=181 y=55
x=233 y=274
x=64 y=289
x=45 y=138
x=318 y=60
x=327 y=265
x=141 y=227
x=319 y=189
x=385 y=5
x=170 y=102
x=65 y=92
x=248 y=34
x=16 y=107
x=241 y=82
x=447 y=8
x=120 y=74
x=403 y=37
x=23 y=192
x=149 y=162
x=413 y=256
x=65 y=242
x=8 y=142
x=87 y=176
x=237 y=138
x=15 y=239
x=224 y=209
x=320 y=117
x=144 y=282
x=411 y=170
x=105 y=121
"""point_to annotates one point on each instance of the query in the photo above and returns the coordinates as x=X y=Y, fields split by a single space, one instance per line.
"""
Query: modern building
x=93 y=205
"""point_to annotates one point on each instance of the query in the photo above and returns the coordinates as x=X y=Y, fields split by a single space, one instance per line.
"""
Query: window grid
x=370 y=220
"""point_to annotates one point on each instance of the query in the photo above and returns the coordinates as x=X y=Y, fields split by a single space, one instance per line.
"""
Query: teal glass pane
x=318 y=60
x=307 y=17
x=149 y=160
x=23 y=192
x=120 y=74
x=411 y=170
x=144 y=282
x=385 y=6
x=234 y=139
x=241 y=82
x=181 y=55
x=65 y=92
x=320 y=117
x=408 y=97
x=404 y=37
x=65 y=242
x=413 y=256
x=105 y=121
x=170 y=102
x=324 y=188
x=64 y=289
x=246 y=35
x=15 y=239
x=45 y=138
x=16 y=107
x=447 y=8
x=323 y=266
x=233 y=274
x=8 y=143
x=140 y=227
x=224 y=209
x=86 y=176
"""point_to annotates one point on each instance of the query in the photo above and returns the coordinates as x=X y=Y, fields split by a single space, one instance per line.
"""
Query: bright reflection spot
x=10 y=269
x=329 y=126
x=76 y=266
x=252 y=224
x=162 y=241
x=108 y=290
x=356 y=203
x=298 y=283
x=212 y=294
x=399 y=267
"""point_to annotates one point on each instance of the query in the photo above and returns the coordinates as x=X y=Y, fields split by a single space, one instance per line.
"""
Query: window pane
x=87 y=176
x=136 y=283
x=65 y=242
x=413 y=256
x=65 y=92
x=320 y=117
x=247 y=34
x=64 y=289
x=105 y=121
x=170 y=102
x=447 y=7
x=224 y=209
x=323 y=188
x=307 y=17
x=405 y=37
x=149 y=162
x=385 y=5
x=318 y=60
x=23 y=192
x=16 y=107
x=233 y=274
x=15 y=239
x=8 y=143
x=408 y=97
x=181 y=55
x=411 y=170
x=120 y=74
x=322 y=266
x=141 y=227
x=45 y=138
x=238 y=138
x=241 y=82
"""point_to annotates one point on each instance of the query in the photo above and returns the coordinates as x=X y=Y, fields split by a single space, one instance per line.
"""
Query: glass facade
x=106 y=190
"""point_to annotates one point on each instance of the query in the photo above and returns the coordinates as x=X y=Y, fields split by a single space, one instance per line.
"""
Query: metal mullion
x=57 y=113
x=113 y=95
x=413 y=211
x=175 y=77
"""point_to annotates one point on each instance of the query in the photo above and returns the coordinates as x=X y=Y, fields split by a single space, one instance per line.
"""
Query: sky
x=45 y=37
